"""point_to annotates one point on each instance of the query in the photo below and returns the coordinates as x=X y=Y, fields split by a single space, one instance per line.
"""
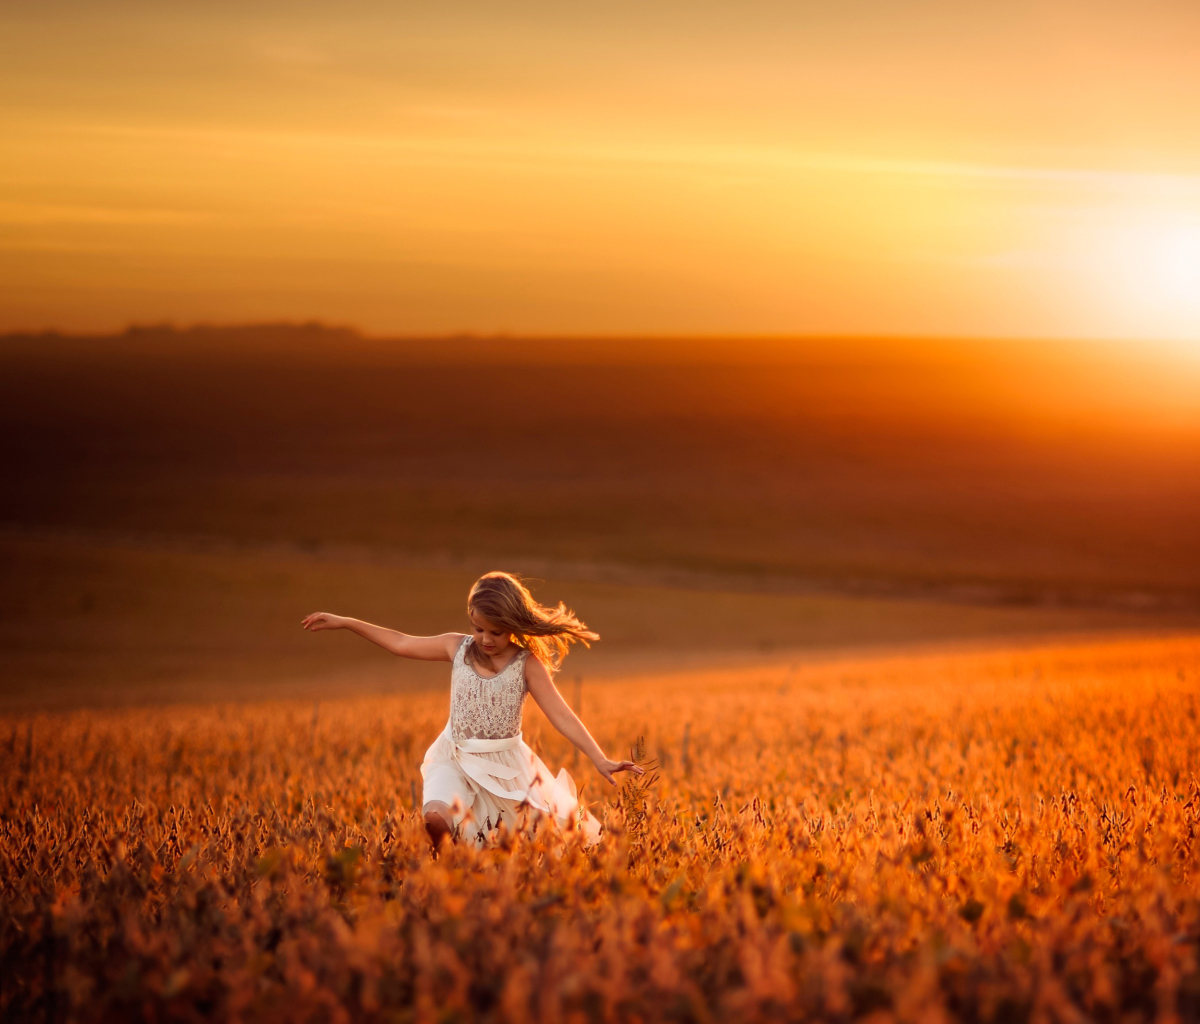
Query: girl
x=479 y=769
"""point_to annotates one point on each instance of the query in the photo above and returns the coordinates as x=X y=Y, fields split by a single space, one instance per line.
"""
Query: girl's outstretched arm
x=423 y=648
x=543 y=690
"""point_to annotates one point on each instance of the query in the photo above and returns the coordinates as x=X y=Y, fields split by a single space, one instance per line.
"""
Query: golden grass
x=983 y=836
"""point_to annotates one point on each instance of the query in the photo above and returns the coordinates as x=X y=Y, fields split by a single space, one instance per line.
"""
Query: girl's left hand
x=610 y=768
x=322 y=620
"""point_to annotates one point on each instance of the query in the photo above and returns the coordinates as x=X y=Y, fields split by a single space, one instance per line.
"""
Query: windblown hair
x=547 y=633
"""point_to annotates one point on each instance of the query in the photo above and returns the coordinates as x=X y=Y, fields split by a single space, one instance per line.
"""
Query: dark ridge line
x=136 y=330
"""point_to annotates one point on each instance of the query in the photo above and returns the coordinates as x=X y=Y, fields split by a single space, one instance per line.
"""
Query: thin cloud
x=41 y=214
x=713 y=157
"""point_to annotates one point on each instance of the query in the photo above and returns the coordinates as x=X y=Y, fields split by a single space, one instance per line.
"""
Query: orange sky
x=1025 y=168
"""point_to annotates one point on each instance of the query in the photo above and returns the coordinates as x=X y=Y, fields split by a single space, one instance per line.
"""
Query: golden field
x=1007 y=833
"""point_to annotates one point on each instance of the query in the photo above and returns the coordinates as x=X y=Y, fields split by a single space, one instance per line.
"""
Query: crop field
x=1007 y=833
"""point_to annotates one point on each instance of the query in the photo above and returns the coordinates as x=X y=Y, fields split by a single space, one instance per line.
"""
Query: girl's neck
x=490 y=660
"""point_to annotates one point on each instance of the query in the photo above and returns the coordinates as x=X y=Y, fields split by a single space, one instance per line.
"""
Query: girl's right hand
x=609 y=768
x=323 y=620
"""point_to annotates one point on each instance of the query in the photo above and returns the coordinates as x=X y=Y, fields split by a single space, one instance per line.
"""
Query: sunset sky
x=1020 y=168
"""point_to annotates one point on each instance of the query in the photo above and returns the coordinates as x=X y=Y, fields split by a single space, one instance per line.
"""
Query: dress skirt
x=489 y=783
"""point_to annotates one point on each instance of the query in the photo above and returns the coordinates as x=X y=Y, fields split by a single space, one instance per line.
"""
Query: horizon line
x=134 y=328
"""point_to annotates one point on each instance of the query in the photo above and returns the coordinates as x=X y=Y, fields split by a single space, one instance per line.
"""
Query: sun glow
x=1144 y=266
x=1163 y=262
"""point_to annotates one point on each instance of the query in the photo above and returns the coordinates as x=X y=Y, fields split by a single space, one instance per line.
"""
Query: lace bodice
x=486 y=708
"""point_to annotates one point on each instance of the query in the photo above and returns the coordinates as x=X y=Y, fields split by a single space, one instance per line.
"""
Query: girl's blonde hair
x=547 y=633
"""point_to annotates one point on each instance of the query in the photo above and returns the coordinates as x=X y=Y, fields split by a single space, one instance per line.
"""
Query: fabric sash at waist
x=473 y=745
x=483 y=771
x=486 y=774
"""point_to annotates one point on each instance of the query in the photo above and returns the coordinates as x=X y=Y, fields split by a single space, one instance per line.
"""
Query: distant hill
x=991 y=470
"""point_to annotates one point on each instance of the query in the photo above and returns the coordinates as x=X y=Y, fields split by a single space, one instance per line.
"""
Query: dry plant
x=635 y=796
x=986 y=837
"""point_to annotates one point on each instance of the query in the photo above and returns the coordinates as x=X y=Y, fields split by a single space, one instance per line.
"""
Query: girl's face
x=492 y=639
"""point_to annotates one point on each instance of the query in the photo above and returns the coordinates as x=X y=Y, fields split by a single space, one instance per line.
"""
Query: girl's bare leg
x=437 y=822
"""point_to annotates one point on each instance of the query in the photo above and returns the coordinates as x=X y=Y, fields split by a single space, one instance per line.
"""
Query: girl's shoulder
x=531 y=664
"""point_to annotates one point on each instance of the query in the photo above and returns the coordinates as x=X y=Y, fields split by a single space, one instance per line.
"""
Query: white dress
x=481 y=768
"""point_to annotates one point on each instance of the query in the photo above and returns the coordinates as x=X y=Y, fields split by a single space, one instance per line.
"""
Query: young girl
x=479 y=770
